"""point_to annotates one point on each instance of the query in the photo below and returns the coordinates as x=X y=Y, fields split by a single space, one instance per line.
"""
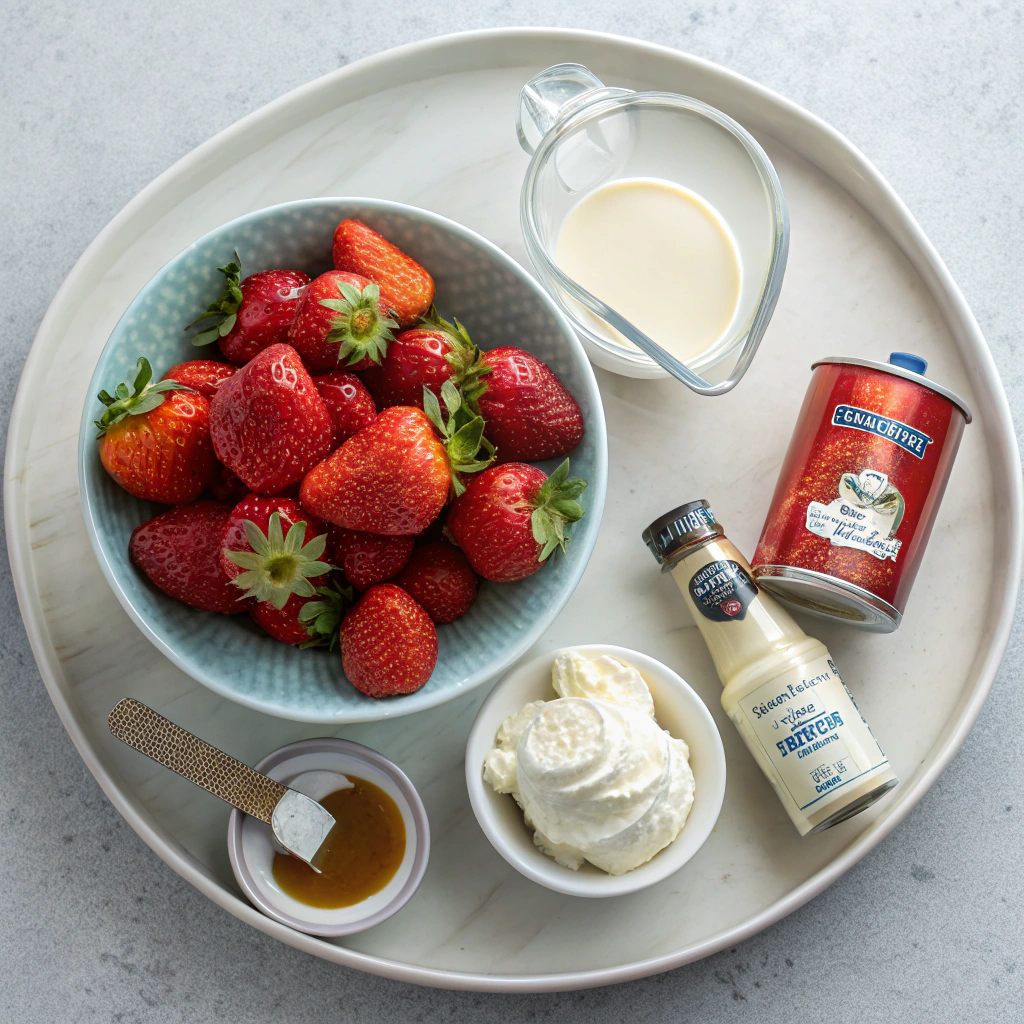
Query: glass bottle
x=782 y=688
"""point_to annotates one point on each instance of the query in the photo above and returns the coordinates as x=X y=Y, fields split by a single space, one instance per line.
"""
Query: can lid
x=671 y=534
x=909 y=361
x=905 y=365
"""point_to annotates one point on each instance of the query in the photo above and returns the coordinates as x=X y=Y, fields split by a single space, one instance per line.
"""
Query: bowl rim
x=360 y=752
x=538 y=866
x=409 y=704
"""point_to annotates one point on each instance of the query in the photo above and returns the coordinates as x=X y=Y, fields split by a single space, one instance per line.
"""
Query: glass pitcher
x=582 y=135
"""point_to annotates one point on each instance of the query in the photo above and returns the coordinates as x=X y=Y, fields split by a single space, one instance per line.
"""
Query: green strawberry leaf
x=206 y=337
x=555 y=506
x=143 y=396
x=279 y=565
x=462 y=433
x=360 y=327
x=322 y=618
x=224 y=311
x=463 y=356
x=432 y=407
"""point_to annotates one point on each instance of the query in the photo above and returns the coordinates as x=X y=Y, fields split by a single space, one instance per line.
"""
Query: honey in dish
x=364 y=850
x=658 y=254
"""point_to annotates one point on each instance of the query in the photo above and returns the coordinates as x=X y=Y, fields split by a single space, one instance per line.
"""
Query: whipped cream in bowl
x=595 y=770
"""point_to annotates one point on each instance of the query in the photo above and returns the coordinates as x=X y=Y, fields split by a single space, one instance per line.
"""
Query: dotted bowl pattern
x=499 y=303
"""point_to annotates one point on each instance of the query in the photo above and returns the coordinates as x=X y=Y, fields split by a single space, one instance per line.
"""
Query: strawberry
x=271 y=547
x=155 y=439
x=179 y=551
x=268 y=422
x=426 y=356
x=202 y=375
x=225 y=486
x=441 y=579
x=393 y=477
x=512 y=517
x=306 y=621
x=254 y=314
x=367 y=558
x=348 y=402
x=405 y=287
x=528 y=411
x=388 y=643
x=341 y=323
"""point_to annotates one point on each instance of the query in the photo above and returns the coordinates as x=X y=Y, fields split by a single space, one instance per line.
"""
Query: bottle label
x=865 y=516
x=812 y=733
x=722 y=590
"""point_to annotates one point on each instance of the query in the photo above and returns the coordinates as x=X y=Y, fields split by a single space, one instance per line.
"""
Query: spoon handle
x=192 y=758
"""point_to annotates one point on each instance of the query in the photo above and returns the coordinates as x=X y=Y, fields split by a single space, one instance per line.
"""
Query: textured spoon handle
x=193 y=759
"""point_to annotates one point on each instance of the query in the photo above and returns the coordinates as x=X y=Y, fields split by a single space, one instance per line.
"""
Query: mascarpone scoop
x=596 y=776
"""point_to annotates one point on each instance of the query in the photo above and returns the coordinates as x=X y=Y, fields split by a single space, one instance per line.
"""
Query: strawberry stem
x=322 y=618
x=555 y=506
x=462 y=433
x=225 y=309
x=362 y=328
x=143 y=396
x=465 y=358
x=278 y=565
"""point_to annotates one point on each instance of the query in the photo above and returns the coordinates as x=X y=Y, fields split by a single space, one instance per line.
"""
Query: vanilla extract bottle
x=783 y=691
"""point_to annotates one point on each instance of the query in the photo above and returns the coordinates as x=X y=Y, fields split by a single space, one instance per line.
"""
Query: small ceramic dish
x=677 y=709
x=314 y=767
x=500 y=304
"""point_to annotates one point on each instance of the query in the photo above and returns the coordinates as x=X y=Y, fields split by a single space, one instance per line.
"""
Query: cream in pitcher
x=783 y=690
x=660 y=255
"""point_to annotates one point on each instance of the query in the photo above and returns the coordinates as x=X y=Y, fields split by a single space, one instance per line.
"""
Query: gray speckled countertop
x=98 y=98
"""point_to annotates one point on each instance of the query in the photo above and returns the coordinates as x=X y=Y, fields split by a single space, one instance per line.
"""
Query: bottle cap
x=671 y=534
x=908 y=361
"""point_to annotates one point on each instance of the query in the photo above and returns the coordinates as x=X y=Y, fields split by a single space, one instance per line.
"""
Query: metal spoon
x=300 y=824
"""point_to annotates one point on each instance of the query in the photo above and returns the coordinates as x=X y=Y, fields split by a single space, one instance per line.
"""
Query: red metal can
x=859 y=489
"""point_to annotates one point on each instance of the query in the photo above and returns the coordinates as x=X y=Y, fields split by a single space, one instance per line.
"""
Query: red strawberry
x=268 y=422
x=348 y=402
x=225 y=486
x=528 y=411
x=179 y=551
x=441 y=579
x=426 y=356
x=306 y=621
x=202 y=375
x=388 y=643
x=393 y=477
x=155 y=440
x=512 y=517
x=340 y=323
x=405 y=287
x=271 y=549
x=254 y=314
x=367 y=558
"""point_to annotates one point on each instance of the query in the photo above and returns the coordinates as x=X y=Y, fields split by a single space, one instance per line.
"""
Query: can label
x=812 y=733
x=909 y=438
x=722 y=590
x=865 y=516
x=858 y=490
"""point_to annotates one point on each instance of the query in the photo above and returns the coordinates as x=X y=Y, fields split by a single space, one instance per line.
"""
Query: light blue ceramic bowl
x=500 y=304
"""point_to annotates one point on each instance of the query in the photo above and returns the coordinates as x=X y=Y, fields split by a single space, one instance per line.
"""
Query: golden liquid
x=659 y=255
x=364 y=850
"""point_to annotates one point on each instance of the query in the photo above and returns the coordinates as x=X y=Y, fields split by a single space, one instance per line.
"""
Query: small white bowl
x=307 y=763
x=677 y=708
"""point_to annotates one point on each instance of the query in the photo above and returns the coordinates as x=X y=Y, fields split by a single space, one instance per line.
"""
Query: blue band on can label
x=907 y=437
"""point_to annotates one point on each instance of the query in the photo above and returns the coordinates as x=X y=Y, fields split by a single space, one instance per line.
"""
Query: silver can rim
x=899 y=371
x=880 y=615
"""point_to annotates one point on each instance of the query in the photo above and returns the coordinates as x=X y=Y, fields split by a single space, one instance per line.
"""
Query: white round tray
x=432 y=124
